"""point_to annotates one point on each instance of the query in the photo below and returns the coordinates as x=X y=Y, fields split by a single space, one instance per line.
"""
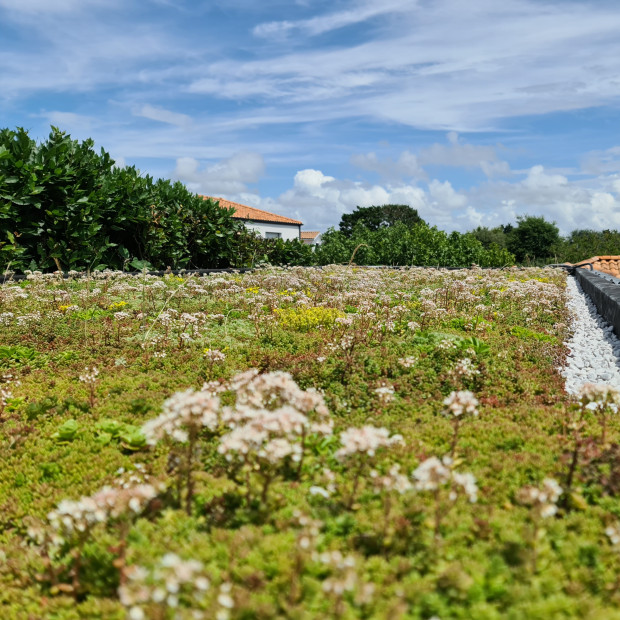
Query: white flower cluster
x=365 y=440
x=172 y=584
x=344 y=344
x=330 y=485
x=434 y=473
x=461 y=402
x=269 y=435
x=446 y=345
x=77 y=517
x=407 y=362
x=309 y=532
x=274 y=389
x=385 y=394
x=343 y=579
x=138 y=475
x=28 y=319
x=254 y=440
x=267 y=423
x=90 y=376
x=182 y=411
x=542 y=499
x=464 y=368
x=344 y=575
x=392 y=481
x=613 y=533
x=467 y=482
x=5 y=392
x=215 y=355
x=5 y=396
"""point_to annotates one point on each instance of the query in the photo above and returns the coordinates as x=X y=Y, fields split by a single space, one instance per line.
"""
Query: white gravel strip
x=595 y=349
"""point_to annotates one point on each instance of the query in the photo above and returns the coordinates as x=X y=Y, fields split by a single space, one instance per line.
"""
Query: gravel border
x=594 y=348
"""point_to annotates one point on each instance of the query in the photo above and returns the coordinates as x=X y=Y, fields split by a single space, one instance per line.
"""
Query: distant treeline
x=533 y=239
x=63 y=205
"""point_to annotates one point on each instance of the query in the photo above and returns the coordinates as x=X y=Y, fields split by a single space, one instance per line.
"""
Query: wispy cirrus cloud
x=447 y=65
x=358 y=12
x=162 y=115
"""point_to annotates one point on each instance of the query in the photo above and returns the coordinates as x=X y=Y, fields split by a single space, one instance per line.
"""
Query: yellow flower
x=307 y=318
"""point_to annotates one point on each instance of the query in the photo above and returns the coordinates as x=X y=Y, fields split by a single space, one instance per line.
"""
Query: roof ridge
x=244 y=212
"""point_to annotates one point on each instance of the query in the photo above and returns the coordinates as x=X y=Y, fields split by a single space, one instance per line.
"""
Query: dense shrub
x=251 y=250
x=420 y=244
x=65 y=206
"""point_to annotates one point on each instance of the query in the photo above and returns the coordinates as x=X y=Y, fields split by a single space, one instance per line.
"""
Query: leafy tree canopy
x=533 y=237
x=488 y=236
x=376 y=217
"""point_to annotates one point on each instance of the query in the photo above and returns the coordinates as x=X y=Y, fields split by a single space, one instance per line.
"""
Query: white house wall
x=287 y=231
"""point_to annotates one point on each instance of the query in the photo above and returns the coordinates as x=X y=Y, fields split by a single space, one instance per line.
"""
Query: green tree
x=533 y=237
x=376 y=217
x=488 y=236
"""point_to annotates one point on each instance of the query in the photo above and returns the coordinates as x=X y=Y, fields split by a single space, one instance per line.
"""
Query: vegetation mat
x=302 y=443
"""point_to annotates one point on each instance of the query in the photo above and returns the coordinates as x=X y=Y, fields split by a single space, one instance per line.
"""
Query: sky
x=473 y=113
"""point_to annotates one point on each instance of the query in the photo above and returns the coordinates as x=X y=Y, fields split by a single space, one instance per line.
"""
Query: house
x=311 y=237
x=268 y=225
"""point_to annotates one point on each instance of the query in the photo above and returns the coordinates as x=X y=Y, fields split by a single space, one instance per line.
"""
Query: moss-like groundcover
x=421 y=459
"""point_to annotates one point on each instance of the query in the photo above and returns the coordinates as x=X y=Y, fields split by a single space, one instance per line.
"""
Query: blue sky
x=471 y=112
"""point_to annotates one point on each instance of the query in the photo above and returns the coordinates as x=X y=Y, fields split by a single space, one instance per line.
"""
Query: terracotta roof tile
x=243 y=212
x=310 y=234
x=606 y=264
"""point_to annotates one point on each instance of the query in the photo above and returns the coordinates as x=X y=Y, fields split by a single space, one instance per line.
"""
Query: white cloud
x=360 y=12
x=457 y=153
x=454 y=154
x=543 y=183
x=319 y=200
x=164 y=116
x=406 y=166
x=308 y=180
x=229 y=176
x=600 y=162
x=493 y=169
x=443 y=195
x=571 y=203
